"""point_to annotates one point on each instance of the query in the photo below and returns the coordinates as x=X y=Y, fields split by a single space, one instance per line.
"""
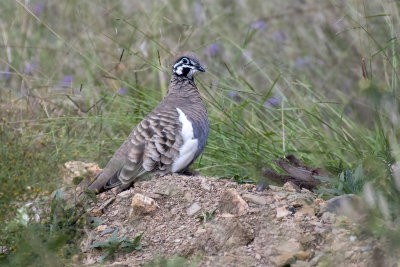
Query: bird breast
x=189 y=147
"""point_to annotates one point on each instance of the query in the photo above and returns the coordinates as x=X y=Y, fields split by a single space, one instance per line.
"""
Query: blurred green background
x=318 y=79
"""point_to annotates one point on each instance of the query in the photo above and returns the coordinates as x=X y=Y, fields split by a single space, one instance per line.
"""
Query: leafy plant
x=206 y=217
x=348 y=182
x=114 y=244
x=49 y=242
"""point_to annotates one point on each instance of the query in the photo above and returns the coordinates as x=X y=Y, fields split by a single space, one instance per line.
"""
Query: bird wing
x=151 y=147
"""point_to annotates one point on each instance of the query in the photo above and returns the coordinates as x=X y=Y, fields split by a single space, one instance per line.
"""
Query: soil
x=280 y=226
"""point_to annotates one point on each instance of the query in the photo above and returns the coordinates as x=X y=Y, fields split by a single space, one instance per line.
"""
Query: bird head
x=186 y=64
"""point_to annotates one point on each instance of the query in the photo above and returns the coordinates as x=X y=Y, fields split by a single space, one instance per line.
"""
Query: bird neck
x=181 y=85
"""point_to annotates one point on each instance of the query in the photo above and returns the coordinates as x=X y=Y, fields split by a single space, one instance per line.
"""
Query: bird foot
x=189 y=172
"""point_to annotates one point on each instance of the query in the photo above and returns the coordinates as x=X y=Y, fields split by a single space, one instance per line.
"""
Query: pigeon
x=169 y=139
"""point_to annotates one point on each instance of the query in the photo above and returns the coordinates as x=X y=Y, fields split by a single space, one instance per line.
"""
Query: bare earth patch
x=281 y=226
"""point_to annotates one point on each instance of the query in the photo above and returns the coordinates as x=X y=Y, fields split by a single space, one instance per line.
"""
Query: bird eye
x=185 y=61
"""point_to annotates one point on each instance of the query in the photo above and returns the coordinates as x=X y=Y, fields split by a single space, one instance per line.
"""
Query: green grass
x=75 y=77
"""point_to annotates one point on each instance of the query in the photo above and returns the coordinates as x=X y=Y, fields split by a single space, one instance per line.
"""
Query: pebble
x=101 y=228
x=328 y=217
x=284 y=259
x=282 y=212
x=305 y=210
x=254 y=199
x=316 y=259
x=291 y=187
x=125 y=194
x=296 y=204
x=258 y=256
x=232 y=204
x=290 y=246
x=280 y=196
x=194 y=208
x=367 y=247
x=141 y=201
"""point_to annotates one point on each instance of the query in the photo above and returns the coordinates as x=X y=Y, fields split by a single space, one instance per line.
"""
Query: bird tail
x=113 y=181
x=124 y=176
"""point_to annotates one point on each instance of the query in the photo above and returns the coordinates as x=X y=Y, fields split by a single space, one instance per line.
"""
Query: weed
x=114 y=244
x=206 y=217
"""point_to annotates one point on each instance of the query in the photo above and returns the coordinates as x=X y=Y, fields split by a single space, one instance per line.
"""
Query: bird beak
x=200 y=68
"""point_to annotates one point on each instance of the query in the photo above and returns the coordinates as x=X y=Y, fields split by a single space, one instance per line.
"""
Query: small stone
x=306 y=240
x=177 y=240
x=114 y=212
x=102 y=196
x=188 y=197
x=316 y=259
x=302 y=255
x=90 y=261
x=306 y=191
x=275 y=188
x=291 y=187
x=280 y=196
x=174 y=211
x=368 y=247
x=255 y=199
x=125 y=194
x=297 y=204
x=353 y=238
x=328 y=217
x=290 y=246
x=318 y=201
x=282 y=212
x=142 y=204
x=96 y=213
x=305 y=210
x=300 y=263
x=101 y=228
x=120 y=264
x=349 y=205
x=317 y=224
x=164 y=191
x=231 y=204
x=284 y=259
x=205 y=185
x=152 y=195
x=258 y=256
x=194 y=208
x=348 y=254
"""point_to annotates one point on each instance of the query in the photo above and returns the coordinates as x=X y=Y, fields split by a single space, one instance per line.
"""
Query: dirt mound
x=217 y=222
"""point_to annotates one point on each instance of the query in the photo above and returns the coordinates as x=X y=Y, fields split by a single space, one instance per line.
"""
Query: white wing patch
x=189 y=147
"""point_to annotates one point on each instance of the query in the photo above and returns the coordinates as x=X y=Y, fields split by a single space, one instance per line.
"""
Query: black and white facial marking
x=187 y=67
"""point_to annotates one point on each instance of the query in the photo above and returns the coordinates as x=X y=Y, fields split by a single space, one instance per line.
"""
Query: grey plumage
x=167 y=140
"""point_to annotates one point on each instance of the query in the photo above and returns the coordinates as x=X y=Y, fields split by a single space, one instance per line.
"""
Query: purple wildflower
x=301 y=62
x=259 y=25
x=7 y=73
x=234 y=95
x=38 y=8
x=213 y=49
x=271 y=102
x=30 y=67
x=66 y=81
x=122 y=91
x=347 y=111
x=279 y=36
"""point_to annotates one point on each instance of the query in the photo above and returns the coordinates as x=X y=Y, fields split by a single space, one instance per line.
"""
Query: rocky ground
x=280 y=226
